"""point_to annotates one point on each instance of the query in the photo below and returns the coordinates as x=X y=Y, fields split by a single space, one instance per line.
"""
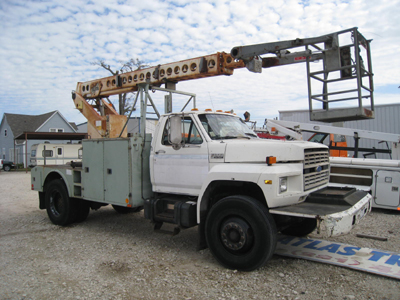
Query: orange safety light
x=398 y=208
x=218 y=110
x=208 y=109
x=195 y=109
x=270 y=160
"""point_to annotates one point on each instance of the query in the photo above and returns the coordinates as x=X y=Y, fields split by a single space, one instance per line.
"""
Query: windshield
x=225 y=127
x=318 y=138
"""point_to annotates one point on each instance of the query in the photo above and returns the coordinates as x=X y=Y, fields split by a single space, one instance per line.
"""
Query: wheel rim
x=56 y=203
x=236 y=235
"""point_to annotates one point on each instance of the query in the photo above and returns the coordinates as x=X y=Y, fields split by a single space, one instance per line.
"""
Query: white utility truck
x=54 y=154
x=199 y=168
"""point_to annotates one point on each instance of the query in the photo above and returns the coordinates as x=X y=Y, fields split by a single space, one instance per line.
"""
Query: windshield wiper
x=250 y=134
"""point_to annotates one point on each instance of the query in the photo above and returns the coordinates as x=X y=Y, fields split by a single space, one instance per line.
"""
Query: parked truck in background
x=204 y=168
x=6 y=165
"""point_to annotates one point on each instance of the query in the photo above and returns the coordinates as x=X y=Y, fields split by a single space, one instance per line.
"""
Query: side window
x=5 y=132
x=190 y=134
x=59 y=151
x=47 y=153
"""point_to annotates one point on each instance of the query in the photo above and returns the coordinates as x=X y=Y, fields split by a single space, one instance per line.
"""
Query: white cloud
x=46 y=47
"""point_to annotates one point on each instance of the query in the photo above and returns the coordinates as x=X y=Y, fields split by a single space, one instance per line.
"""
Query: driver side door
x=184 y=170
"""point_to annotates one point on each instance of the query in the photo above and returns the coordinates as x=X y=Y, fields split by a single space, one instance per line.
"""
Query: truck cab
x=219 y=147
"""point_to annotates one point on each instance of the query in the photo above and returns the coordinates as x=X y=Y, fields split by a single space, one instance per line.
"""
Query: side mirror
x=175 y=133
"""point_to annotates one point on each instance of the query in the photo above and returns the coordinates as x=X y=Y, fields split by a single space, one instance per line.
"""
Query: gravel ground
x=113 y=256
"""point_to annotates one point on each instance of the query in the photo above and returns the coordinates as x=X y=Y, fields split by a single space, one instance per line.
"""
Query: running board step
x=179 y=210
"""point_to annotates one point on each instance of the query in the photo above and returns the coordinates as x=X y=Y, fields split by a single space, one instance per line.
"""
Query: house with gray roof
x=13 y=125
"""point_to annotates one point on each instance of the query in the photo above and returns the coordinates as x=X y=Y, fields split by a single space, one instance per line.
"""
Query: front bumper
x=337 y=210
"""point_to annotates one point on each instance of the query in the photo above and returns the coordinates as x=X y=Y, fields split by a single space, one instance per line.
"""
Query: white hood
x=256 y=150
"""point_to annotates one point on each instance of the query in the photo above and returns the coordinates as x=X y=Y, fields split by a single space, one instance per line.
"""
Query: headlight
x=282 y=185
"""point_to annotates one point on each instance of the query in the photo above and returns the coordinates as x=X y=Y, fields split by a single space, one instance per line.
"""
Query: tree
x=129 y=66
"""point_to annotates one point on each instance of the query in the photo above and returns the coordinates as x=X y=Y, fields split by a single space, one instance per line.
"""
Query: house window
x=5 y=132
x=56 y=130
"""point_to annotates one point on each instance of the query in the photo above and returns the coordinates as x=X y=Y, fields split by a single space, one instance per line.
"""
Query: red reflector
x=32 y=186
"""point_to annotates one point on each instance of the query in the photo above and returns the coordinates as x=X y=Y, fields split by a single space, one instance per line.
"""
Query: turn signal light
x=270 y=160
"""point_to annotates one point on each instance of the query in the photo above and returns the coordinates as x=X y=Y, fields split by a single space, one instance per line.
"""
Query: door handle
x=160 y=151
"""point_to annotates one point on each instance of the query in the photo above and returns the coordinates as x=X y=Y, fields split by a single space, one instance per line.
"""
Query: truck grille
x=316 y=168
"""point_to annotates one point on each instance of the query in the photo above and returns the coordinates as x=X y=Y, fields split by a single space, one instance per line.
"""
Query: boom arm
x=104 y=121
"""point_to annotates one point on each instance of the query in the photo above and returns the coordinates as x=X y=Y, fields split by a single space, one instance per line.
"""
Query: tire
x=82 y=209
x=6 y=168
x=126 y=210
x=240 y=233
x=60 y=208
x=301 y=228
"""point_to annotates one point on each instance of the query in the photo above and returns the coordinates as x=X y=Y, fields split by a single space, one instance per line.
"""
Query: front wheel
x=6 y=168
x=60 y=208
x=240 y=233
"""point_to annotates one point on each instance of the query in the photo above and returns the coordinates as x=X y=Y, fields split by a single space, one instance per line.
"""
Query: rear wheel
x=6 y=168
x=126 y=210
x=60 y=208
x=241 y=233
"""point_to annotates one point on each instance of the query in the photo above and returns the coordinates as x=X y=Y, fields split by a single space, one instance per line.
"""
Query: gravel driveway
x=113 y=256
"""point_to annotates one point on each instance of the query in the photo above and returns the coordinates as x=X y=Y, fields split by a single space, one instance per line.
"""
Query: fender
x=257 y=174
x=230 y=172
x=53 y=174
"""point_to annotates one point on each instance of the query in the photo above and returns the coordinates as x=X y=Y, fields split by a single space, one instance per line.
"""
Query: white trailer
x=380 y=177
x=55 y=154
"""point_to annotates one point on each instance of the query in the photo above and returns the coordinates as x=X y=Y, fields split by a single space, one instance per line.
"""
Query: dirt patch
x=114 y=256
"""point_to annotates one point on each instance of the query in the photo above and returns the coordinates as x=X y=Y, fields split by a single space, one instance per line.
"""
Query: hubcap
x=236 y=235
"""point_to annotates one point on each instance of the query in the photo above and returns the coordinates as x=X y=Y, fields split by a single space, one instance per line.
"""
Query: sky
x=46 y=47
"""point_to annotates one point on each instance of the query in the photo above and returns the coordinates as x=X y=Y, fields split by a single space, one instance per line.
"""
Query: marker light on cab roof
x=195 y=109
